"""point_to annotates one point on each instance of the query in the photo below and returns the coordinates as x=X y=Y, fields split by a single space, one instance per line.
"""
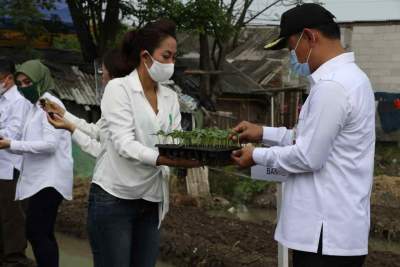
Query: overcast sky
x=344 y=10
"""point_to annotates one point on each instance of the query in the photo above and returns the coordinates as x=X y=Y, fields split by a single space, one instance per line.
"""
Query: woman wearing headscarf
x=47 y=170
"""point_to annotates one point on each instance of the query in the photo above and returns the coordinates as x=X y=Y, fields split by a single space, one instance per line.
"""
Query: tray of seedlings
x=211 y=147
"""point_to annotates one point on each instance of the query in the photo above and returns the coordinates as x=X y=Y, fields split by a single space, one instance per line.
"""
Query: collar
x=328 y=67
x=136 y=85
x=11 y=93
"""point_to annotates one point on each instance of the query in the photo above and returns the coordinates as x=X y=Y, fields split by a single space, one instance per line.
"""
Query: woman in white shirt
x=129 y=192
x=47 y=169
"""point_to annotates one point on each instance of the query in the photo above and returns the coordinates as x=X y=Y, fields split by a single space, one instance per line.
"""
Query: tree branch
x=240 y=22
x=260 y=12
x=92 y=18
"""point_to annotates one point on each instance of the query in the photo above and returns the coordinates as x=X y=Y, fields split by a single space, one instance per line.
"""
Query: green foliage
x=236 y=189
x=210 y=137
x=246 y=189
x=122 y=29
x=211 y=17
x=143 y=11
x=199 y=17
x=26 y=16
x=207 y=16
x=387 y=159
x=66 y=42
x=83 y=162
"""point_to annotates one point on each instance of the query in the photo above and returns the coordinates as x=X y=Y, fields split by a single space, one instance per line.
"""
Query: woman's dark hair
x=115 y=64
x=7 y=66
x=147 y=38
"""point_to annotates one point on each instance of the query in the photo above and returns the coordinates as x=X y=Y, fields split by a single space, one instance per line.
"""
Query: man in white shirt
x=325 y=215
x=13 y=109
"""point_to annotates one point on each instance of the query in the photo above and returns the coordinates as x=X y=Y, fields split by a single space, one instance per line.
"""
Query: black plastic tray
x=207 y=156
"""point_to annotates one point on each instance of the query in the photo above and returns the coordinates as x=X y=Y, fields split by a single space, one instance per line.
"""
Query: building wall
x=377 y=50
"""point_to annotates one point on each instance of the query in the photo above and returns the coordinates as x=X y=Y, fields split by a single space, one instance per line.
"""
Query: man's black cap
x=296 y=19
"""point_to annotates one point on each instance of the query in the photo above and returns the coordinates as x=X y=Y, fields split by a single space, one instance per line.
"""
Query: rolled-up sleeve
x=327 y=112
x=117 y=113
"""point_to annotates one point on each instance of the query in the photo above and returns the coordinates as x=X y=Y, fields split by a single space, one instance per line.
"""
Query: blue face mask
x=302 y=69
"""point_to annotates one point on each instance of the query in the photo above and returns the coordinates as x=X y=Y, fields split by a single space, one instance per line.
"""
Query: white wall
x=377 y=50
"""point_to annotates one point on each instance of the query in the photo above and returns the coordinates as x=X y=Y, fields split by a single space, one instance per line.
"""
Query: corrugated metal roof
x=75 y=85
x=249 y=67
x=80 y=88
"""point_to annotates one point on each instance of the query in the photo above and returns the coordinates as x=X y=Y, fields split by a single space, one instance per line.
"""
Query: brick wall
x=377 y=51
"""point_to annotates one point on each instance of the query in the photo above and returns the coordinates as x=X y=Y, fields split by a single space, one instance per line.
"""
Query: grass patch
x=387 y=159
x=238 y=190
x=83 y=162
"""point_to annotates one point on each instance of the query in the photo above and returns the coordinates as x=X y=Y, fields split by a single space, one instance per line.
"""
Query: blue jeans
x=122 y=233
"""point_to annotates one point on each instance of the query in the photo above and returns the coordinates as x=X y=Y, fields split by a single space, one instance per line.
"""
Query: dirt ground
x=385 y=213
x=191 y=237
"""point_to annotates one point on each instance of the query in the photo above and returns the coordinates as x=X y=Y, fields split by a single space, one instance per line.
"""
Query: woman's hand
x=60 y=123
x=4 y=143
x=51 y=107
x=182 y=163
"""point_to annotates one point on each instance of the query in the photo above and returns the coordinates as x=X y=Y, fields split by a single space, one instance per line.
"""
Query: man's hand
x=248 y=132
x=244 y=157
x=51 y=107
x=4 y=143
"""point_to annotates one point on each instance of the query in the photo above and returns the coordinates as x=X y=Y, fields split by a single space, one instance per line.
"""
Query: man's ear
x=311 y=36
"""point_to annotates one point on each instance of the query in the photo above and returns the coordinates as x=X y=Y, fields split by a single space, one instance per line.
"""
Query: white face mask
x=160 y=72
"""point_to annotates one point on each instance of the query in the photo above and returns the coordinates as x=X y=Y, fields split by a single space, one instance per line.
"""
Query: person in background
x=47 y=169
x=325 y=215
x=88 y=136
x=13 y=108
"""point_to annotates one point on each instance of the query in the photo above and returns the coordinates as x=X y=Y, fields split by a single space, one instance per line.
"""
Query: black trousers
x=309 y=259
x=12 y=225
x=40 y=222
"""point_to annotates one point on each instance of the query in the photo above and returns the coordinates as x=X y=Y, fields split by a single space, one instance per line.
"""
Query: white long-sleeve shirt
x=90 y=137
x=47 y=155
x=128 y=168
x=13 y=110
x=331 y=163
